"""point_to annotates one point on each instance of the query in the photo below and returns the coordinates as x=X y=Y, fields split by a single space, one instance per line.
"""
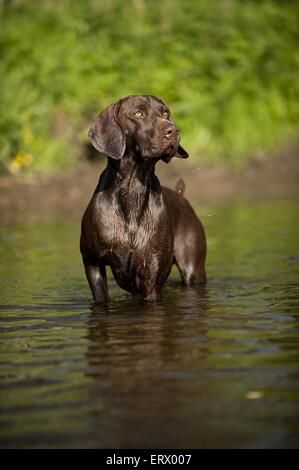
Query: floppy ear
x=106 y=135
x=181 y=153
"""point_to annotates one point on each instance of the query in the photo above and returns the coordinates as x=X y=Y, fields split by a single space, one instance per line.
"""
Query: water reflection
x=138 y=359
x=209 y=367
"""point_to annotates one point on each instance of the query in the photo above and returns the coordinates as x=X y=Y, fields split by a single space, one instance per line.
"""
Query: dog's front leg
x=153 y=279
x=151 y=294
x=97 y=279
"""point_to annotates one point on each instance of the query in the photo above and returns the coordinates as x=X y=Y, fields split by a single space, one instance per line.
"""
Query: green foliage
x=228 y=69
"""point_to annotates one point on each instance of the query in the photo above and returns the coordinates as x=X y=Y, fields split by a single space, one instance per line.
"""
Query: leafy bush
x=228 y=69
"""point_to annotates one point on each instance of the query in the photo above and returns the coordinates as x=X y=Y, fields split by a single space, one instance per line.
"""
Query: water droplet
x=254 y=395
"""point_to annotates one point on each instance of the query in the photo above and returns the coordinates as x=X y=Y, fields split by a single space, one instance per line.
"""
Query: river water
x=204 y=368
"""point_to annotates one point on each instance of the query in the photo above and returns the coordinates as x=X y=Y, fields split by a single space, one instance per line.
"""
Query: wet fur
x=134 y=225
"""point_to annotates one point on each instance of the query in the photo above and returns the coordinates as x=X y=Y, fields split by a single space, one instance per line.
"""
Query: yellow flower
x=19 y=158
x=14 y=167
x=22 y=159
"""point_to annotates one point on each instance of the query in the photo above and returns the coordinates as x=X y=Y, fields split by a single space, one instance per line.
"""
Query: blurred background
x=228 y=69
x=221 y=362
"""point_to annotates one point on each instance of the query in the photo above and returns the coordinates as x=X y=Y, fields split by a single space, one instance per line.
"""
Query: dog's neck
x=132 y=181
x=133 y=167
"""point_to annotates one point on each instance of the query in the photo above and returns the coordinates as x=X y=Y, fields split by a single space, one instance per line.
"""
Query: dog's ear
x=106 y=135
x=181 y=153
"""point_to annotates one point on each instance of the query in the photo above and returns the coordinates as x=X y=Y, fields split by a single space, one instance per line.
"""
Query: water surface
x=211 y=367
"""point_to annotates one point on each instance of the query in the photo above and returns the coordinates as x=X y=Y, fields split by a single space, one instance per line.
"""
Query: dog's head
x=142 y=124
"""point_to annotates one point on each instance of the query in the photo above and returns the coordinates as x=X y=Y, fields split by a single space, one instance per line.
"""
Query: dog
x=132 y=223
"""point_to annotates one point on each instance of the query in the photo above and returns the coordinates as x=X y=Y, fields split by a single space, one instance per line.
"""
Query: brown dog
x=132 y=224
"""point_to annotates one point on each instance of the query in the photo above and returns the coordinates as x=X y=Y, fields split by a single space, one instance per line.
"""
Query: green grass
x=228 y=69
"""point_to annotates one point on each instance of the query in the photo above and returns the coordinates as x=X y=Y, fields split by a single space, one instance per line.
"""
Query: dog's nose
x=170 y=132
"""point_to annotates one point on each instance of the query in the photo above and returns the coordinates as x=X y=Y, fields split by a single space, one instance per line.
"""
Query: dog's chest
x=120 y=235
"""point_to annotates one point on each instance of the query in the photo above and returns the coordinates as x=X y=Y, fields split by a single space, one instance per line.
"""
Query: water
x=212 y=367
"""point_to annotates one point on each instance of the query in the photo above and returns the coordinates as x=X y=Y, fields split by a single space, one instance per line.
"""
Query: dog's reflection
x=137 y=353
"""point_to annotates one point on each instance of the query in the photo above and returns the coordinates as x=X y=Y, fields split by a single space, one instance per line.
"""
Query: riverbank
x=68 y=192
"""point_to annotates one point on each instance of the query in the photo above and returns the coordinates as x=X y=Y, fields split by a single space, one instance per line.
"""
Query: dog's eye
x=165 y=113
x=138 y=113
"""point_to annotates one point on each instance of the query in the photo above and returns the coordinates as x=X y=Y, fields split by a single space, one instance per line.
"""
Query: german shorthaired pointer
x=132 y=223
